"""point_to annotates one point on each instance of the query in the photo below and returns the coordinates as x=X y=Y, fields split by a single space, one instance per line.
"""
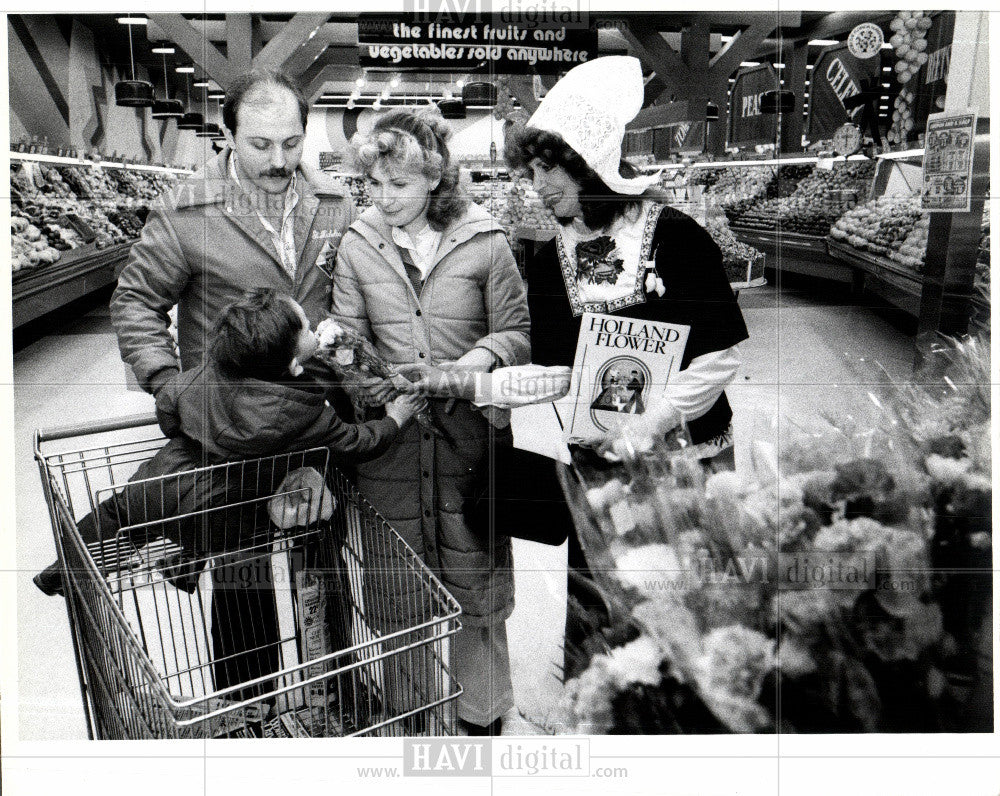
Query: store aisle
x=805 y=357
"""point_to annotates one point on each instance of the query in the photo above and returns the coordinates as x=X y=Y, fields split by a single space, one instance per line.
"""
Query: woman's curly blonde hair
x=415 y=141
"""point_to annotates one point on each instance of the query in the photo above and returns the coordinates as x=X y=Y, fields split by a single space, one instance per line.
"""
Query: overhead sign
x=836 y=76
x=748 y=125
x=931 y=83
x=948 y=162
x=504 y=48
x=687 y=138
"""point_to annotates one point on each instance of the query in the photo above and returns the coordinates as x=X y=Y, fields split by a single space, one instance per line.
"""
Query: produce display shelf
x=38 y=291
x=796 y=253
x=57 y=160
x=877 y=266
x=758 y=282
x=897 y=285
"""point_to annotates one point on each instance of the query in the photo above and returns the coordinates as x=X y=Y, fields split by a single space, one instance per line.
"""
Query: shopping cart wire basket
x=198 y=609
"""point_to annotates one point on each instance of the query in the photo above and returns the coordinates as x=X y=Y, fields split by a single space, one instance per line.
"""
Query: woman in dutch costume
x=621 y=250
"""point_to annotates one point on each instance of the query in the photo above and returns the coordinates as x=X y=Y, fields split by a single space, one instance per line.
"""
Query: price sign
x=947 y=179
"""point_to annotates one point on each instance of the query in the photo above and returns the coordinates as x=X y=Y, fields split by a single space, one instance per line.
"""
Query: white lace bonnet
x=589 y=109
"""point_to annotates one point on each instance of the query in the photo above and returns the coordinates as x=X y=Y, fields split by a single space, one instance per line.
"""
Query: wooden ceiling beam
x=239 y=41
x=204 y=54
x=672 y=75
x=743 y=47
x=313 y=49
x=293 y=34
x=327 y=67
x=662 y=115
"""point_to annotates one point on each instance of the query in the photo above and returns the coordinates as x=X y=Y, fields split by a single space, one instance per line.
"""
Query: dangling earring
x=295 y=368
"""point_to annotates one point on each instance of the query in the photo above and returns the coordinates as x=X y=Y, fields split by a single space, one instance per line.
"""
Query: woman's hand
x=376 y=391
x=476 y=359
x=437 y=382
x=633 y=436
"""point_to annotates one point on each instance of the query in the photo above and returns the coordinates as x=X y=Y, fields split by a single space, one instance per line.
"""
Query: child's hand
x=405 y=408
x=375 y=390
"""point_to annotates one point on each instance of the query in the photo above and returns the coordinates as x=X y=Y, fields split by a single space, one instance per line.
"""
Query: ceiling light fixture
x=823 y=42
x=132 y=20
x=167 y=108
x=133 y=93
x=184 y=70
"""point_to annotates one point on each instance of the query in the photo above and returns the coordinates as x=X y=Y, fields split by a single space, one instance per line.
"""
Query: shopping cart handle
x=95 y=427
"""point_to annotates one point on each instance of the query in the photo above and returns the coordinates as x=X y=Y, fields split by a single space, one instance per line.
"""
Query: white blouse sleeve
x=694 y=390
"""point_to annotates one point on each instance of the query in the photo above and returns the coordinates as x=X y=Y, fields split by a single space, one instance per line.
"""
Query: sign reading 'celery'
x=836 y=76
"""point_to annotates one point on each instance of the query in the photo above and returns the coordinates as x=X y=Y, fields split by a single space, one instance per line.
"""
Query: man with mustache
x=254 y=216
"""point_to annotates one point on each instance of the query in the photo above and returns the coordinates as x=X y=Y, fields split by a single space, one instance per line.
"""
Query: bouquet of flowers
x=352 y=359
x=847 y=581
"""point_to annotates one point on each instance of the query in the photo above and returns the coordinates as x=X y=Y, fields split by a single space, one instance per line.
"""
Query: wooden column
x=694 y=51
x=953 y=238
x=795 y=78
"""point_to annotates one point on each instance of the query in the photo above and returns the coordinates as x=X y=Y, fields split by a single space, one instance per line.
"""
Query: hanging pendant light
x=133 y=93
x=167 y=108
x=479 y=93
x=191 y=120
x=452 y=108
x=210 y=130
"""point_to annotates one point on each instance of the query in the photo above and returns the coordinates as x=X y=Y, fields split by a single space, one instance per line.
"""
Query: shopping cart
x=193 y=615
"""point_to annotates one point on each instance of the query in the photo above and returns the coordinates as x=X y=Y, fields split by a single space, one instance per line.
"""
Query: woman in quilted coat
x=429 y=278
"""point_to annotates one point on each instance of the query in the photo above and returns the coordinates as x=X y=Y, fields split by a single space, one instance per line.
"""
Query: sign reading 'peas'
x=505 y=48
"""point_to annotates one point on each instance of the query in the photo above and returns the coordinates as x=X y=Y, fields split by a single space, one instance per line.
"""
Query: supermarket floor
x=806 y=356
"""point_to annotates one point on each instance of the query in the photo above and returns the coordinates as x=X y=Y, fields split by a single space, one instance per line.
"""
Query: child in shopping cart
x=250 y=399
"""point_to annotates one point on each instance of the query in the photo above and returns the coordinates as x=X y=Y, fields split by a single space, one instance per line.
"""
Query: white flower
x=636 y=662
x=328 y=331
x=946 y=470
x=654 y=570
x=836 y=537
x=735 y=661
x=794 y=658
x=725 y=485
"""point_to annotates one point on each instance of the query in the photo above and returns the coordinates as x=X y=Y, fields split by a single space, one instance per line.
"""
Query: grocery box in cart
x=215 y=622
